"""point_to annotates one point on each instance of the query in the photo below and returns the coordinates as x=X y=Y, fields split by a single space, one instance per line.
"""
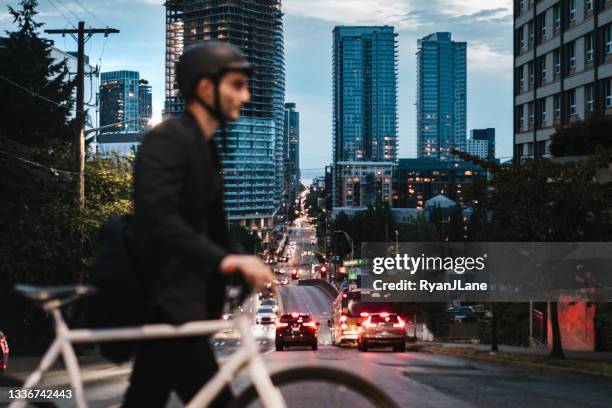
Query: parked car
x=462 y=313
x=4 y=352
x=296 y=329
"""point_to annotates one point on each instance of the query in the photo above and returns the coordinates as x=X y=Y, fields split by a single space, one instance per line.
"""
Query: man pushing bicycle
x=181 y=234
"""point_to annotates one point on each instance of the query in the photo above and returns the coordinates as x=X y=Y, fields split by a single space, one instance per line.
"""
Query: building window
x=557 y=104
x=521 y=72
x=571 y=51
x=609 y=93
x=531 y=72
x=531 y=113
x=521 y=38
x=590 y=98
x=588 y=45
x=572 y=10
x=542 y=19
x=521 y=4
x=588 y=5
x=543 y=68
x=542 y=109
x=521 y=117
x=557 y=61
x=572 y=102
x=557 y=17
x=609 y=39
x=530 y=32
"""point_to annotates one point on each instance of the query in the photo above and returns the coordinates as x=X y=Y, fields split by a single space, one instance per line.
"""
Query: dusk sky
x=486 y=25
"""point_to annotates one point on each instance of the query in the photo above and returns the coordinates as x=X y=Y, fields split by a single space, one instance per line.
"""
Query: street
x=411 y=378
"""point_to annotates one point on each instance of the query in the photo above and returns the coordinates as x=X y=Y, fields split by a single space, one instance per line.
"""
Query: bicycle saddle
x=46 y=293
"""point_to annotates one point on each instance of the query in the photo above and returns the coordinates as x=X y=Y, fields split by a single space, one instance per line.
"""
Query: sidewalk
x=591 y=363
x=93 y=365
x=578 y=355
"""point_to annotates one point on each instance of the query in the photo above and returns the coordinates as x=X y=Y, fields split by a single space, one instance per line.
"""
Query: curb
x=542 y=367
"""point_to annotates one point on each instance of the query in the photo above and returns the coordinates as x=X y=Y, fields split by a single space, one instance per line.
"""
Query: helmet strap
x=216 y=111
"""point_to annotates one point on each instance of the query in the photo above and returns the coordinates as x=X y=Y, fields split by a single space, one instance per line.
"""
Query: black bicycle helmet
x=207 y=59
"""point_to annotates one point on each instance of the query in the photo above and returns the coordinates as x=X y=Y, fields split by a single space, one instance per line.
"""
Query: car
x=382 y=330
x=265 y=315
x=296 y=329
x=4 y=352
x=270 y=302
x=462 y=313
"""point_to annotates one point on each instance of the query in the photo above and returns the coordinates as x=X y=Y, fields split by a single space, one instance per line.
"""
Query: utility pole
x=82 y=35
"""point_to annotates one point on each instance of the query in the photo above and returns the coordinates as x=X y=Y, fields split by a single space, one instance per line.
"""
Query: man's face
x=234 y=92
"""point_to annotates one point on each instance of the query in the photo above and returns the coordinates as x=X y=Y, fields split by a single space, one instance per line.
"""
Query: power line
x=30 y=91
x=53 y=170
x=63 y=15
x=70 y=11
x=90 y=13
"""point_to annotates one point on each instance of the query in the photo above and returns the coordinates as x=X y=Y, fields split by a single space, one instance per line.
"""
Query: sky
x=486 y=26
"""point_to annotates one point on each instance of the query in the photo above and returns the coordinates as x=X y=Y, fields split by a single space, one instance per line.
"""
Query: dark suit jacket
x=180 y=227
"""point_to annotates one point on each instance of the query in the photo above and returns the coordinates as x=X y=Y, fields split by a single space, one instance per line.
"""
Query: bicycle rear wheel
x=320 y=387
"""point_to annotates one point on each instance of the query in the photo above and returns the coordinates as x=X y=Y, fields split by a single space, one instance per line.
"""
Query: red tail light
x=295 y=315
x=364 y=314
x=343 y=326
x=384 y=314
x=343 y=318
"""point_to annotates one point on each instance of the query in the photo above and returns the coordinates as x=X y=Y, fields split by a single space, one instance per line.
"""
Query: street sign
x=355 y=262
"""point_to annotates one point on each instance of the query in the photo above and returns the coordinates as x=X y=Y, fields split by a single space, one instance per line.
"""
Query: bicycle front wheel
x=320 y=387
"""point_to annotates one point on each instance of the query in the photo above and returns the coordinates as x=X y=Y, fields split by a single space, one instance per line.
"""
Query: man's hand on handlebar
x=255 y=271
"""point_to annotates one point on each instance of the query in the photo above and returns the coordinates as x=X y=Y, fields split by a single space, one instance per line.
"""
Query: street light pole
x=396 y=242
x=350 y=241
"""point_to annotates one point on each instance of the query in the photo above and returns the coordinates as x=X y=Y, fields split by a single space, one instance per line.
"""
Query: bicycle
x=271 y=390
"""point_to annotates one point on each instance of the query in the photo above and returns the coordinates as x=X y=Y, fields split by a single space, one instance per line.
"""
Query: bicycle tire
x=12 y=382
x=329 y=375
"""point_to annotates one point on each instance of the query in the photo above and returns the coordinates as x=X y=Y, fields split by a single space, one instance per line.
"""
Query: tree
x=246 y=240
x=559 y=202
x=36 y=94
x=582 y=137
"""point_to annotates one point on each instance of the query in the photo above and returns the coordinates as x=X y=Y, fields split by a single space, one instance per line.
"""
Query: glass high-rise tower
x=124 y=97
x=365 y=93
x=291 y=144
x=253 y=163
x=441 y=96
x=364 y=113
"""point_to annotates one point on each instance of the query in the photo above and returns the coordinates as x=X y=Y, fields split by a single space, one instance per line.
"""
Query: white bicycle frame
x=247 y=356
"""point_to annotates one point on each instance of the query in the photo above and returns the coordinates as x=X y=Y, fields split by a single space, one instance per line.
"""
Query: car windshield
x=384 y=319
x=264 y=310
x=269 y=302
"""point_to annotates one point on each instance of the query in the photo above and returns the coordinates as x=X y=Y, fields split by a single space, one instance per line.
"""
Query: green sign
x=355 y=262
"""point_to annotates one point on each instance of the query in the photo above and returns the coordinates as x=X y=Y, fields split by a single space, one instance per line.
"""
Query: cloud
x=350 y=12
